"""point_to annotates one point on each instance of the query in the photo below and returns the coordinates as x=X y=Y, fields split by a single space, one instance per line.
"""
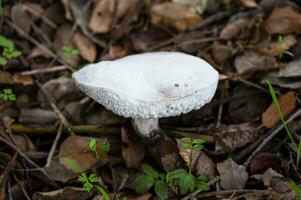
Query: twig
x=53 y=147
x=270 y=136
x=78 y=129
x=229 y=192
x=55 y=109
x=16 y=148
x=44 y=70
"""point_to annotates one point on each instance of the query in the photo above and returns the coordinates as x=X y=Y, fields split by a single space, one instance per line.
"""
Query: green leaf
x=296 y=189
x=5 y=42
x=70 y=51
x=93 y=144
x=149 y=170
x=143 y=183
x=105 y=148
x=187 y=183
x=103 y=193
x=203 y=186
x=203 y=178
x=93 y=178
x=73 y=164
x=161 y=189
x=176 y=174
x=3 y=61
x=198 y=141
x=16 y=54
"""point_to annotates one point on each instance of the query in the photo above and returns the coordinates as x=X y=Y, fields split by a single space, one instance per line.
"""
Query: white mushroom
x=148 y=86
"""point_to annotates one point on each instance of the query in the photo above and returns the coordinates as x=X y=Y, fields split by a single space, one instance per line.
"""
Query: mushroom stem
x=145 y=126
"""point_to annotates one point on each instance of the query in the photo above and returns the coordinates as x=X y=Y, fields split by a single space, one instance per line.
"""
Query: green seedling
x=289 y=134
x=151 y=178
x=180 y=178
x=281 y=52
x=8 y=50
x=7 y=95
x=91 y=181
x=105 y=148
x=69 y=51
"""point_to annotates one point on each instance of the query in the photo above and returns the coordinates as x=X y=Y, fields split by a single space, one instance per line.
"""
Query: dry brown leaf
x=37 y=116
x=220 y=52
x=287 y=103
x=177 y=16
x=23 y=142
x=263 y=161
x=6 y=78
x=67 y=193
x=283 y=20
x=275 y=49
x=102 y=16
x=249 y=3
x=77 y=148
x=58 y=172
x=20 y=17
x=235 y=136
x=23 y=79
x=233 y=29
x=132 y=149
x=252 y=61
x=87 y=49
x=232 y=176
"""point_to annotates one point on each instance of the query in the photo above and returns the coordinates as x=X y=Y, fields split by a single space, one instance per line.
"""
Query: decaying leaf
x=283 y=20
x=235 y=136
x=132 y=149
x=263 y=161
x=287 y=103
x=291 y=70
x=276 y=48
x=278 y=184
x=67 y=193
x=86 y=48
x=198 y=5
x=220 y=52
x=234 y=28
x=23 y=79
x=249 y=3
x=177 y=16
x=232 y=176
x=252 y=61
x=77 y=148
x=37 y=116
x=21 y=17
x=284 y=82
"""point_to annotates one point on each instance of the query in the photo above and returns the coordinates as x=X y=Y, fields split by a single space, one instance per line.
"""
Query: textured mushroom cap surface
x=149 y=85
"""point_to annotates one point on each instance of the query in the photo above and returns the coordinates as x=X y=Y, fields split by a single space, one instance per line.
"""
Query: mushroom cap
x=149 y=85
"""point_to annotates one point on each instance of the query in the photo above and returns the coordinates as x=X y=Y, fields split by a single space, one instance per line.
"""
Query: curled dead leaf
x=287 y=103
x=87 y=49
x=177 y=16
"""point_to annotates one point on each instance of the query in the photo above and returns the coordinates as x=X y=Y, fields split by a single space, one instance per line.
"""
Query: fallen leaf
x=252 y=61
x=132 y=149
x=23 y=142
x=87 y=49
x=198 y=6
x=291 y=70
x=284 y=82
x=276 y=49
x=77 y=148
x=67 y=193
x=283 y=20
x=234 y=28
x=57 y=172
x=235 y=136
x=287 y=103
x=23 y=79
x=177 y=16
x=117 y=51
x=249 y=3
x=220 y=52
x=20 y=17
x=37 y=116
x=6 y=78
x=205 y=166
x=102 y=16
x=232 y=176
x=263 y=161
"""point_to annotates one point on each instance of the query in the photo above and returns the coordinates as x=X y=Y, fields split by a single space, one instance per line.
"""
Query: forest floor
x=57 y=143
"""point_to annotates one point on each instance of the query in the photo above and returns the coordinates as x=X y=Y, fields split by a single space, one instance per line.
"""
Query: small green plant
x=91 y=181
x=151 y=178
x=8 y=50
x=7 y=95
x=276 y=103
x=180 y=178
x=281 y=52
x=296 y=189
x=69 y=51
